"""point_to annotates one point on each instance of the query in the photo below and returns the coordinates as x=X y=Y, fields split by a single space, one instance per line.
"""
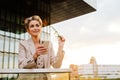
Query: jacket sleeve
x=56 y=60
x=25 y=61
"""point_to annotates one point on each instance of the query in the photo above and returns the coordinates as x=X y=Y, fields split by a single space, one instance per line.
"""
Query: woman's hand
x=39 y=51
x=61 y=41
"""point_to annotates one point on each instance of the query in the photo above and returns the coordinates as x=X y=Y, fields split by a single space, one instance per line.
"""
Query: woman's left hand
x=61 y=41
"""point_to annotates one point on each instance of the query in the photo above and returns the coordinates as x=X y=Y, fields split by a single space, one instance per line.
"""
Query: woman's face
x=34 y=28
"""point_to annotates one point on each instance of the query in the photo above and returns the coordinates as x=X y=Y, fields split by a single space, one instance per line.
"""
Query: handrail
x=30 y=71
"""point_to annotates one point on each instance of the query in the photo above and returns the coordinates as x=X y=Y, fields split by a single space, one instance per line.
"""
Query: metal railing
x=36 y=71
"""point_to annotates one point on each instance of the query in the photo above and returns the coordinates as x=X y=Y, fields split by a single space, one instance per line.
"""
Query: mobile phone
x=46 y=44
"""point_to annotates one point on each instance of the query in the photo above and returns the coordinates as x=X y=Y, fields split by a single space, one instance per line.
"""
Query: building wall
x=104 y=71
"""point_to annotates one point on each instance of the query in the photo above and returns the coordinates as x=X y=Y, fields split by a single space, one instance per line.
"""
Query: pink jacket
x=25 y=56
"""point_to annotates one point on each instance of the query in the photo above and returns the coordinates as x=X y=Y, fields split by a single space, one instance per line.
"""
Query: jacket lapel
x=31 y=46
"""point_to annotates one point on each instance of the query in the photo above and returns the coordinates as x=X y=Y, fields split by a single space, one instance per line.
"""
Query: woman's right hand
x=39 y=50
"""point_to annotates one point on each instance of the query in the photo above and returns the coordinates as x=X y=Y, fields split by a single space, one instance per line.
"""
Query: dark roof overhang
x=53 y=11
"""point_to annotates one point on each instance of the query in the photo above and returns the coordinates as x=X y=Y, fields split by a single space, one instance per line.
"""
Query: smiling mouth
x=35 y=31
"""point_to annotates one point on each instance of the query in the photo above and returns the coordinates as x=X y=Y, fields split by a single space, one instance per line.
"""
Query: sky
x=94 y=34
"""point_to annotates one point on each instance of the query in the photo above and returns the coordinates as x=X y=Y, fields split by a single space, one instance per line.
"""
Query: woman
x=32 y=52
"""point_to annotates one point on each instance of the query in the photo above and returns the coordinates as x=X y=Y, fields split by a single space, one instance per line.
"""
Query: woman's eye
x=31 y=26
x=37 y=25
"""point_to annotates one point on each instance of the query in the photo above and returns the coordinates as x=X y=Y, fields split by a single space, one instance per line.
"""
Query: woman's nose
x=35 y=27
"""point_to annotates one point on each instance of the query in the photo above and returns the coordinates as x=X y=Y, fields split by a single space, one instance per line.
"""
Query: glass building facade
x=12 y=30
